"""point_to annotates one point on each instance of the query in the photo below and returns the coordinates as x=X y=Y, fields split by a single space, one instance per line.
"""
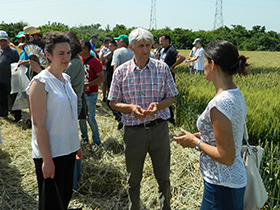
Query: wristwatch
x=197 y=145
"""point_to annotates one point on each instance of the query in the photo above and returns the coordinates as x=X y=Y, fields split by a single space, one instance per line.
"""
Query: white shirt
x=61 y=116
x=104 y=51
x=199 y=63
x=232 y=104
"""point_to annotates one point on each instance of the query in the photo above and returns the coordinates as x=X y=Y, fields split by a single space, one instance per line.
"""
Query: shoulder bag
x=255 y=192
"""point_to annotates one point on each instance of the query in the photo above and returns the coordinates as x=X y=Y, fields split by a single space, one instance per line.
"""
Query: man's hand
x=138 y=111
x=152 y=109
x=35 y=66
x=24 y=62
x=86 y=85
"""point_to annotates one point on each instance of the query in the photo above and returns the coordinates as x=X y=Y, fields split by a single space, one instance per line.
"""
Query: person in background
x=198 y=57
x=21 y=39
x=172 y=58
x=121 y=55
x=33 y=35
x=106 y=37
x=110 y=71
x=157 y=48
x=191 y=55
x=92 y=41
x=55 y=136
x=110 y=68
x=103 y=57
x=221 y=128
x=8 y=55
x=76 y=72
x=143 y=89
x=93 y=77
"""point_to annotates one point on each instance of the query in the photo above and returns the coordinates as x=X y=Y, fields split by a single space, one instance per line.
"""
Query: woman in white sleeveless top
x=220 y=129
x=55 y=138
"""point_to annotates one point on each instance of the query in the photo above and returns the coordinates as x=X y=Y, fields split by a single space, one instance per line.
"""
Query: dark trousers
x=16 y=113
x=64 y=167
x=138 y=142
x=4 y=95
x=172 y=119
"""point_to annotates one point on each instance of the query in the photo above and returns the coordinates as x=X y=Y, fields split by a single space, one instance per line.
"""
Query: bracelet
x=197 y=145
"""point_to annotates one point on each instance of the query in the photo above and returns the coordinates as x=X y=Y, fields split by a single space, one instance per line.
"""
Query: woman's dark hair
x=85 y=44
x=226 y=55
x=75 y=44
x=50 y=39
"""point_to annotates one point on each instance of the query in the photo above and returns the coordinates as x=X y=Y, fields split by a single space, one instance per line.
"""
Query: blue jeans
x=216 y=197
x=91 y=99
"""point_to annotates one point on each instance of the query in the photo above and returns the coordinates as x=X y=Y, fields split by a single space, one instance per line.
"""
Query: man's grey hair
x=140 y=34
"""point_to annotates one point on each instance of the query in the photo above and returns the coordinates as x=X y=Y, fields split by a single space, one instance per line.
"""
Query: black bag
x=42 y=203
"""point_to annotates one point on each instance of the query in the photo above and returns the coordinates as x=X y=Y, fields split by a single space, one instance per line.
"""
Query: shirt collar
x=167 y=48
x=135 y=67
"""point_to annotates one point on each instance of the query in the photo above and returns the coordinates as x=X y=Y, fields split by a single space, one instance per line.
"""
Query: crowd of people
x=139 y=87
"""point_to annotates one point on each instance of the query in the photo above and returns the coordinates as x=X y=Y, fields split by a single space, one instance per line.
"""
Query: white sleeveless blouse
x=61 y=116
x=231 y=103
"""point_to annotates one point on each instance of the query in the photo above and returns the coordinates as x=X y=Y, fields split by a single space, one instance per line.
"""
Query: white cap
x=3 y=35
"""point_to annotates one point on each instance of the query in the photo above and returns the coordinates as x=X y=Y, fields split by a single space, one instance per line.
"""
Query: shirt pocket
x=8 y=60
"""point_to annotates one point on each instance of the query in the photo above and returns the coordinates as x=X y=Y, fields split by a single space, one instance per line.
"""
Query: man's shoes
x=84 y=141
x=104 y=100
x=120 y=125
x=29 y=124
x=95 y=147
x=16 y=120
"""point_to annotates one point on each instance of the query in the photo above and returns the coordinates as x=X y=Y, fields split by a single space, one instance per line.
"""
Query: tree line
x=256 y=39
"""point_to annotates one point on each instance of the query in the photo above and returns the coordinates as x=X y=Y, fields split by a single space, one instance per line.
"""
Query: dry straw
x=103 y=185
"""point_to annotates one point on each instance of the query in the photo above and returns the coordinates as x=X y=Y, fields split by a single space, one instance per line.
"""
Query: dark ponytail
x=226 y=55
x=242 y=66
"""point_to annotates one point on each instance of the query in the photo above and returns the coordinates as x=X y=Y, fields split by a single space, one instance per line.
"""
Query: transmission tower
x=153 y=19
x=218 y=22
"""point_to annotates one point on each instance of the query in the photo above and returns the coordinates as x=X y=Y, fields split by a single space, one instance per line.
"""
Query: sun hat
x=20 y=34
x=3 y=35
x=122 y=37
x=94 y=36
x=196 y=41
x=30 y=30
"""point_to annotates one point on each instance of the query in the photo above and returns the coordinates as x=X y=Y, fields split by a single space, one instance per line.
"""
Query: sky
x=186 y=14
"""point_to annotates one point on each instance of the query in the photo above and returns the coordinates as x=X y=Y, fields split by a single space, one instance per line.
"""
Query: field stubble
x=103 y=185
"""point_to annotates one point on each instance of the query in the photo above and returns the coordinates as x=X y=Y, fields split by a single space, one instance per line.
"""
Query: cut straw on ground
x=103 y=185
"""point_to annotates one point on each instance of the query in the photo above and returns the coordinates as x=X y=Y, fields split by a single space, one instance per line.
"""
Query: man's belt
x=148 y=125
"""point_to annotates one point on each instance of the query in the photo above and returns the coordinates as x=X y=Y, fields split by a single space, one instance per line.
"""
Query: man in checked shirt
x=143 y=89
